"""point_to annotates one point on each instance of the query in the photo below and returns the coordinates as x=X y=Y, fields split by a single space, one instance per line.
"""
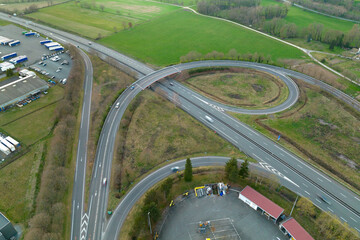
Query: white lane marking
x=353 y=219
x=343 y=195
x=285 y=171
x=251 y=147
x=357 y=198
x=300 y=166
x=307 y=192
x=265 y=143
x=318 y=200
x=304 y=184
x=282 y=154
x=343 y=219
x=330 y=209
x=357 y=229
x=320 y=180
x=218 y=130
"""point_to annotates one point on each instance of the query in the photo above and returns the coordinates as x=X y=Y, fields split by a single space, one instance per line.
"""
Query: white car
x=117 y=105
x=104 y=181
x=175 y=169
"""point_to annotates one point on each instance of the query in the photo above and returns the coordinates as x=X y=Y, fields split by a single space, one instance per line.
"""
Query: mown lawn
x=164 y=40
x=303 y=18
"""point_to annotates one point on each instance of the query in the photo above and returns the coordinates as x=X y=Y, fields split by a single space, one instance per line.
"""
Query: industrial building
x=260 y=203
x=294 y=230
x=17 y=90
x=7 y=231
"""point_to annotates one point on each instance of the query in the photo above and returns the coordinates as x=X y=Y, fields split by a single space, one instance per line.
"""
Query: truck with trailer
x=12 y=141
x=4 y=149
x=51 y=44
x=28 y=34
x=56 y=48
x=14 y=43
x=7 y=144
x=45 y=41
x=18 y=59
x=8 y=56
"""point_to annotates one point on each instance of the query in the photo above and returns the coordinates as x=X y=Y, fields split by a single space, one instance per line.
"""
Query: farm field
x=94 y=22
x=20 y=7
x=303 y=18
x=165 y=39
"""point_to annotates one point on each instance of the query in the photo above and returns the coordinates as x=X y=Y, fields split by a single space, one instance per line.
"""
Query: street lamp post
x=149 y=222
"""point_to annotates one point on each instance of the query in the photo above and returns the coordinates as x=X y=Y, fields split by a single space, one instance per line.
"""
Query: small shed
x=260 y=203
x=294 y=230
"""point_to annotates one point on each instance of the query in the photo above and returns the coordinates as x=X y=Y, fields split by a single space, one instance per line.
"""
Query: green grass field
x=165 y=39
x=92 y=22
x=18 y=185
x=303 y=18
x=20 y=7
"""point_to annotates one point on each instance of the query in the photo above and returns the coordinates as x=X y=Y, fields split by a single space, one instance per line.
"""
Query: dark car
x=324 y=199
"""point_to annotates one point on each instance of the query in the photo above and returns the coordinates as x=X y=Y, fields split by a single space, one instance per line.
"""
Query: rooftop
x=3 y=220
x=264 y=203
x=296 y=230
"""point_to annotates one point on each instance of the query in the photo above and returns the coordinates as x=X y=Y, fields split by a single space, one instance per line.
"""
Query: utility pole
x=294 y=205
x=149 y=222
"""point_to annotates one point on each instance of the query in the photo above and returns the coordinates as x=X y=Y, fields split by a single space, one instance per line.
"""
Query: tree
x=167 y=185
x=9 y=73
x=188 y=171
x=306 y=207
x=244 y=169
x=231 y=170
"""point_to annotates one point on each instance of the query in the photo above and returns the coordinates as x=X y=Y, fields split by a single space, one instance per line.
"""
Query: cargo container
x=14 y=43
x=10 y=55
x=28 y=34
x=45 y=41
x=18 y=59
x=24 y=32
x=7 y=144
x=4 y=149
x=56 y=48
x=13 y=141
x=6 y=42
x=51 y=44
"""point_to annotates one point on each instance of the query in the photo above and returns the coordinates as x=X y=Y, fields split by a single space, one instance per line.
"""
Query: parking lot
x=55 y=70
x=29 y=46
x=229 y=218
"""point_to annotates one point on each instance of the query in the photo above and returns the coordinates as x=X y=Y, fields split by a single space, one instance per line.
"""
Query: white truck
x=7 y=144
x=12 y=141
x=4 y=149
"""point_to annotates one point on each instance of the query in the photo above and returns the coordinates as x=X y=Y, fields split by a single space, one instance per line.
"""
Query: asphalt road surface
x=308 y=181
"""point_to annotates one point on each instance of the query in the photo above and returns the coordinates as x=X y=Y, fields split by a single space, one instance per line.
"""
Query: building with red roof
x=260 y=203
x=294 y=230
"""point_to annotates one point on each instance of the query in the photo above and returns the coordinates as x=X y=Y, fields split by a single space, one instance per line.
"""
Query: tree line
x=270 y=19
x=344 y=8
x=50 y=214
x=243 y=11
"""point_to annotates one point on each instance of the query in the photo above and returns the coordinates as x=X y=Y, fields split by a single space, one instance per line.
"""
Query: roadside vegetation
x=154 y=131
x=52 y=201
x=242 y=87
x=320 y=129
x=348 y=67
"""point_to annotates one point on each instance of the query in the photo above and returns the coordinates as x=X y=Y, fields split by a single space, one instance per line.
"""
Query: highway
x=306 y=180
x=79 y=219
